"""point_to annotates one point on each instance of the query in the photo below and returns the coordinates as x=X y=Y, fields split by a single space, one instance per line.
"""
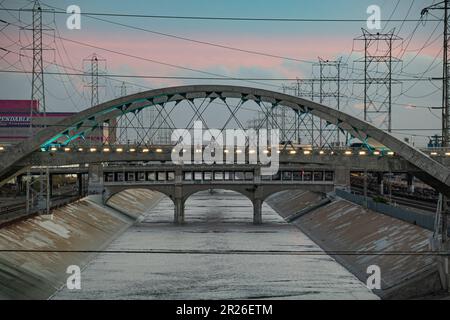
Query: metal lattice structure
x=378 y=61
x=37 y=47
x=329 y=94
x=210 y=104
x=94 y=66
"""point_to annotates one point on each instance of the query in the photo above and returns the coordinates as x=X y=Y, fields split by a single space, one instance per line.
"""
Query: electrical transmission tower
x=329 y=94
x=442 y=213
x=378 y=61
x=38 y=187
x=94 y=66
x=444 y=5
x=123 y=120
x=38 y=106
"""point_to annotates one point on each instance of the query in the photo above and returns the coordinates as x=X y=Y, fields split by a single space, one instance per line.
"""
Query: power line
x=179 y=17
x=208 y=78
x=202 y=42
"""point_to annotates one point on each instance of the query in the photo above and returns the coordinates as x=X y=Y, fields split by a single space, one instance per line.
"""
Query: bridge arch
x=434 y=173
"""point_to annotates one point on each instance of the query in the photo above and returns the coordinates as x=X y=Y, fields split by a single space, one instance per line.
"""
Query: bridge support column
x=95 y=182
x=179 y=211
x=410 y=181
x=380 y=182
x=257 y=211
x=342 y=177
x=50 y=185
x=80 y=184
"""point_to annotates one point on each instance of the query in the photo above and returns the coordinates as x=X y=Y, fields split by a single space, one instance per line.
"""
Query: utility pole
x=378 y=60
x=443 y=202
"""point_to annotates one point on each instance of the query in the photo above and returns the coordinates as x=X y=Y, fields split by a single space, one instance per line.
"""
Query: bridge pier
x=410 y=181
x=380 y=181
x=95 y=182
x=257 y=211
x=342 y=177
x=179 y=211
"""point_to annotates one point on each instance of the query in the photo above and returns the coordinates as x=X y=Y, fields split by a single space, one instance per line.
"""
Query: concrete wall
x=81 y=226
x=345 y=226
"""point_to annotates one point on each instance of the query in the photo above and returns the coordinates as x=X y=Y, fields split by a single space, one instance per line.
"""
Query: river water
x=218 y=254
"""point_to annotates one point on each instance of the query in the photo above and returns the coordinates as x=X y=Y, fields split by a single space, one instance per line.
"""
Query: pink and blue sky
x=299 y=40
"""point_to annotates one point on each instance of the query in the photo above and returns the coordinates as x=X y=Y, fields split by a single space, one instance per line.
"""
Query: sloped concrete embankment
x=342 y=225
x=36 y=252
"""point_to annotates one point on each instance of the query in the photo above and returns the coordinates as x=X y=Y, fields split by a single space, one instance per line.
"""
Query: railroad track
x=407 y=202
x=17 y=207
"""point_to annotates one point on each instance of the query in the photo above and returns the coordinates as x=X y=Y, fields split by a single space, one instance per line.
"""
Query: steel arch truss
x=165 y=100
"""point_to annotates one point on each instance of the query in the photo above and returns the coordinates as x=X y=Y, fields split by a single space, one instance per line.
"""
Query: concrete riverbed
x=218 y=254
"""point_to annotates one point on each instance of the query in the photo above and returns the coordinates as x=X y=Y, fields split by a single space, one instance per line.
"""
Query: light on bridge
x=132 y=150
x=447 y=153
x=119 y=150
x=145 y=150
x=434 y=153
x=53 y=149
x=266 y=151
x=348 y=153
x=106 y=150
x=321 y=152
x=362 y=153
x=93 y=149
x=239 y=151
x=376 y=153
x=80 y=149
x=159 y=150
x=251 y=151
x=66 y=149
x=306 y=152
x=225 y=151
x=390 y=153
x=292 y=152
x=2 y=148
